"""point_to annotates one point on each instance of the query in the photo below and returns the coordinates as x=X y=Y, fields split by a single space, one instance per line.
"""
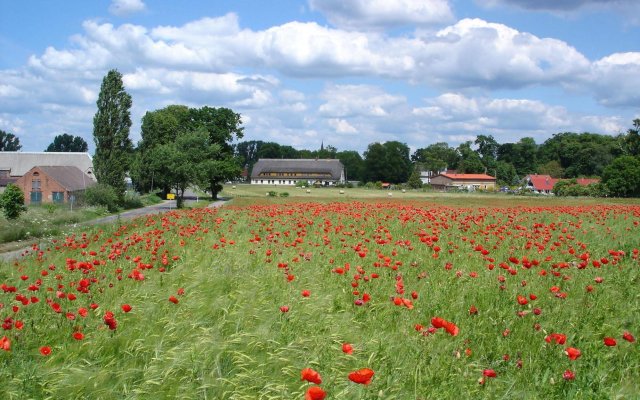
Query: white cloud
x=378 y=14
x=357 y=100
x=560 y=5
x=341 y=126
x=616 y=79
x=123 y=8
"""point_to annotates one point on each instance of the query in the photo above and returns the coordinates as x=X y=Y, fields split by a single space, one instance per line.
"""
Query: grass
x=226 y=338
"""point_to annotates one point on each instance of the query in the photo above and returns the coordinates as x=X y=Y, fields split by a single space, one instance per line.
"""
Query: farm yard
x=359 y=295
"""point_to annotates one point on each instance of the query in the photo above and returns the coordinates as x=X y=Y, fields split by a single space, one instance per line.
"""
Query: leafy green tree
x=505 y=174
x=111 y=125
x=436 y=157
x=102 y=195
x=487 y=150
x=388 y=162
x=470 y=163
x=580 y=154
x=622 y=177
x=12 y=202
x=414 y=181
x=68 y=143
x=523 y=155
x=9 y=142
x=353 y=164
x=551 y=168
x=631 y=141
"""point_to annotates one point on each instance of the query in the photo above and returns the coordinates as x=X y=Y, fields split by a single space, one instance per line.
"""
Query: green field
x=219 y=308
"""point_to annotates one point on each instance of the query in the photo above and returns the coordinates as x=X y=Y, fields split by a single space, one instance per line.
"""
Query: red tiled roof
x=468 y=177
x=542 y=182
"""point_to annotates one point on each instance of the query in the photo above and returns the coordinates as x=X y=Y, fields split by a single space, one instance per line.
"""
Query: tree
x=631 y=141
x=111 y=125
x=414 y=181
x=622 y=177
x=9 y=142
x=470 y=160
x=12 y=202
x=353 y=165
x=388 y=162
x=487 y=150
x=68 y=143
x=436 y=157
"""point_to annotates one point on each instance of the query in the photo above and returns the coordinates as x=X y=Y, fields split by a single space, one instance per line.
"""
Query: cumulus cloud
x=207 y=61
x=379 y=14
x=560 y=5
x=358 y=100
x=122 y=8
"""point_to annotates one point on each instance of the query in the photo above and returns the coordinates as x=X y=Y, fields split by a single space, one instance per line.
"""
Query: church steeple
x=322 y=145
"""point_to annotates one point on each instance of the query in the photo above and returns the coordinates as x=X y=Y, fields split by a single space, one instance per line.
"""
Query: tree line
x=182 y=146
x=565 y=155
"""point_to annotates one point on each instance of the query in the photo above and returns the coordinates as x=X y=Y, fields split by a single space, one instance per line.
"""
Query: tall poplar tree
x=111 y=133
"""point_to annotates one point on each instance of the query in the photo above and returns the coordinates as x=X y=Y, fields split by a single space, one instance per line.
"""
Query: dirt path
x=165 y=206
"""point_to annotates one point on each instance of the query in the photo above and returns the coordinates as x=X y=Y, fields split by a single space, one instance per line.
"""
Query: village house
x=471 y=182
x=14 y=164
x=323 y=172
x=543 y=184
x=57 y=184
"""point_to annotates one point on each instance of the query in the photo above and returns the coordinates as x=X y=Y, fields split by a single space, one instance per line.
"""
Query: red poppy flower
x=284 y=309
x=45 y=350
x=126 y=308
x=173 y=299
x=5 y=343
x=572 y=353
x=568 y=375
x=347 y=348
x=522 y=300
x=306 y=293
x=489 y=373
x=628 y=337
x=557 y=338
x=309 y=375
x=78 y=336
x=315 y=393
x=609 y=341
x=362 y=376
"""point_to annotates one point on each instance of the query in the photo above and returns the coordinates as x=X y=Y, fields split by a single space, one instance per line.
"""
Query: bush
x=132 y=200
x=302 y=184
x=102 y=195
x=271 y=193
x=12 y=202
x=284 y=194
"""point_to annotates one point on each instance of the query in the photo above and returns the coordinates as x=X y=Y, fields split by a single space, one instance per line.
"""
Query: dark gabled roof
x=302 y=166
x=70 y=178
x=19 y=162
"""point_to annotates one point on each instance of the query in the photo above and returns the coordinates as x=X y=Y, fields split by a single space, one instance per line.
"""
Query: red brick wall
x=47 y=186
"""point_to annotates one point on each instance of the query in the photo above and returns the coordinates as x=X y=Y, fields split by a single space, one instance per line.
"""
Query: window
x=57 y=197
x=36 y=197
x=35 y=185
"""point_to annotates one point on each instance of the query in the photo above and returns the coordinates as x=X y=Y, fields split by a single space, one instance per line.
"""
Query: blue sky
x=343 y=72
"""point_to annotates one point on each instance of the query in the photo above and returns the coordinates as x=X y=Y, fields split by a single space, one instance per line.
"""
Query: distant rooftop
x=18 y=162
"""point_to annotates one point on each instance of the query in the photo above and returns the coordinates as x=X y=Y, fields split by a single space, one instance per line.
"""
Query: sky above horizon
x=345 y=73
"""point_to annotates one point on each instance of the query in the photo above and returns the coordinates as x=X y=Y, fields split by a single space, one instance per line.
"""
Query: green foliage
x=9 y=142
x=622 y=177
x=302 y=184
x=111 y=125
x=102 y=195
x=353 y=165
x=12 y=202
x=284 y=194
x=132 y=200
x=272 y=193
x=388 y=162
x=570 y=187
x=437 y=157
x=68 y=143
x=414 y=181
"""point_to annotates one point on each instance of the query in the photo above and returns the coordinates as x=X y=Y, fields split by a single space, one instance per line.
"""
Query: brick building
x=53 y=184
